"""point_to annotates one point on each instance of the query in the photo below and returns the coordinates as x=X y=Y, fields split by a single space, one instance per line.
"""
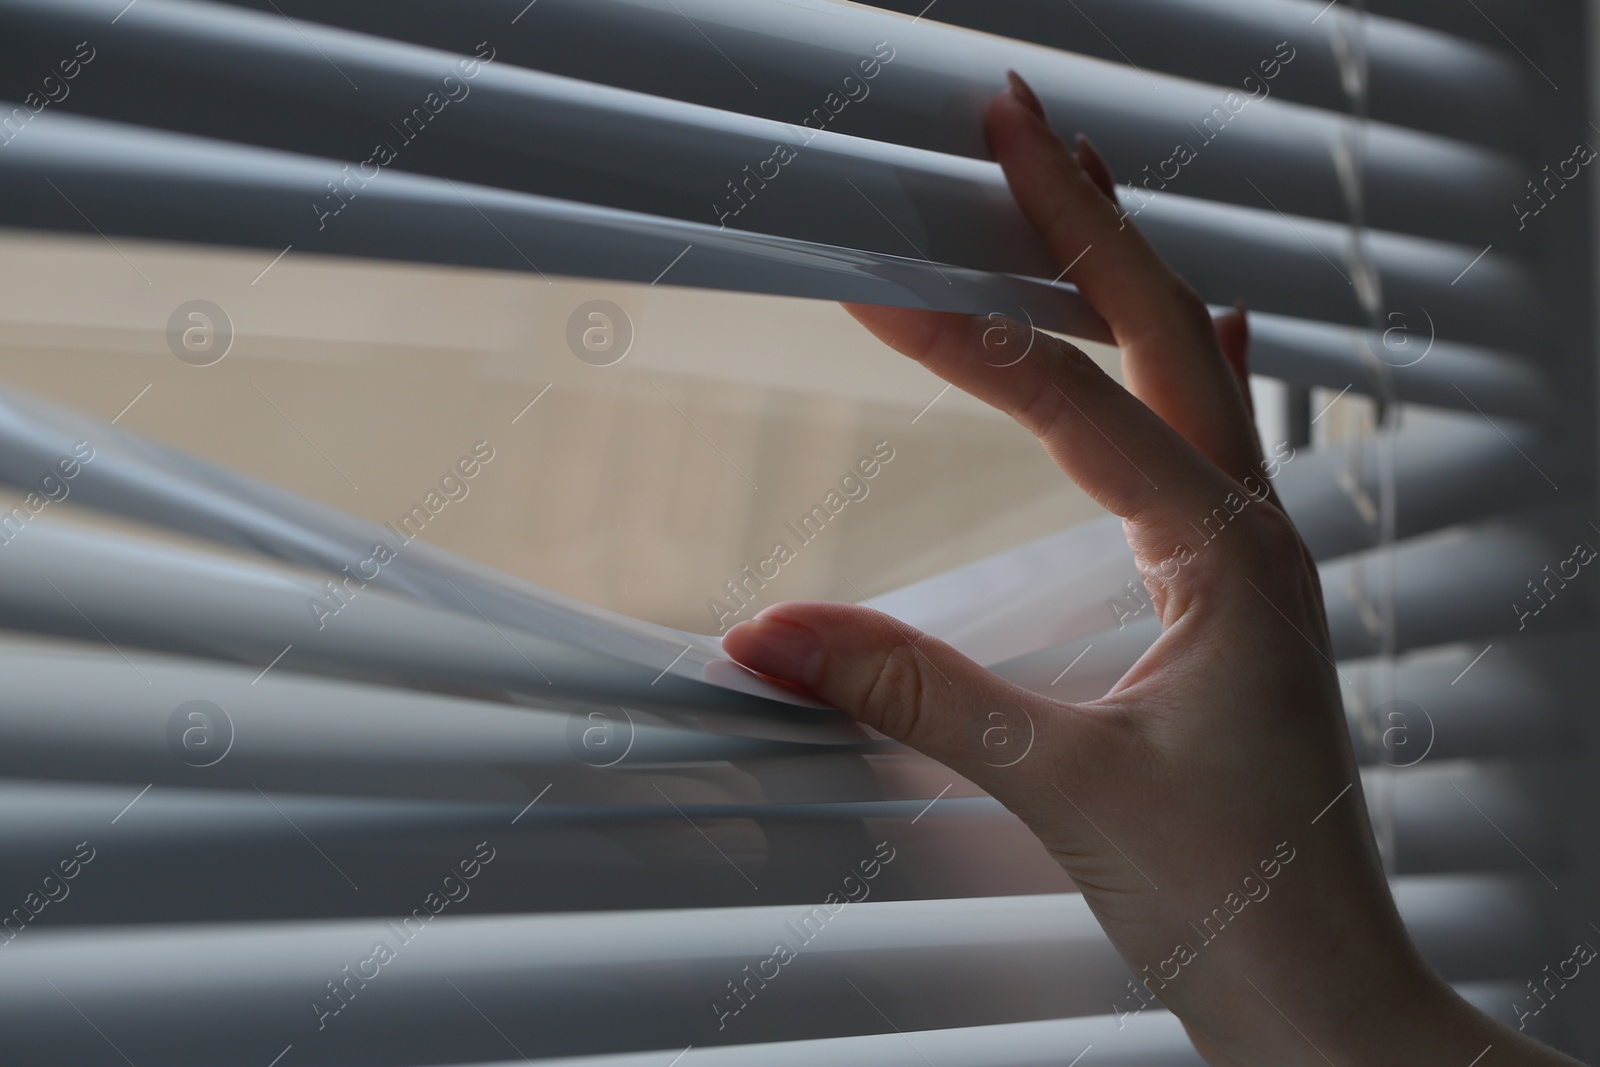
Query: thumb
x=902 y=683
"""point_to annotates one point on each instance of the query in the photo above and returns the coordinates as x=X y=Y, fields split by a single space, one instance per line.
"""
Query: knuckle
x=1057 y=214
x=893 y=701
x=1071 y=369
x=1272 y=534
x=1041 y=411
x=1191 y=305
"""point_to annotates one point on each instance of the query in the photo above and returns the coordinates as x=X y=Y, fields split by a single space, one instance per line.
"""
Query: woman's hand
x=1216 y=780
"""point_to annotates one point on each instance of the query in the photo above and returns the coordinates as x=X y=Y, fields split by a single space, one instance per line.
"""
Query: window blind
x=653 y=818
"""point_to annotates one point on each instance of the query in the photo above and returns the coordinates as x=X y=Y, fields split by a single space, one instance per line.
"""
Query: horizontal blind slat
x=1466 y=582
x=618 y=823
x=144 y=594
x=933 y=92
x=1042 y=957
x=228 y=208
x=1465 y=700
x=1419 y=78
x=1151 y=1038
x=683 y=161
x=1457 y=816
x=1481 y=21
x=1447 y=469
x=144 y=183
x=303 y=733
x=1409 y=365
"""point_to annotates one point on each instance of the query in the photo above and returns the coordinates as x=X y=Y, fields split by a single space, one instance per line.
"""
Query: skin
x=1218 y=749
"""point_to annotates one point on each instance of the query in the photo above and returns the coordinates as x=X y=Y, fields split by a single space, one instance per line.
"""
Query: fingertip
x=1233 y=337
x=1023 y=93
x=778 y=647
x=1095 y=166
x=1233 y=331
x=913 y=332
x=860 y=312
x=1015 y=117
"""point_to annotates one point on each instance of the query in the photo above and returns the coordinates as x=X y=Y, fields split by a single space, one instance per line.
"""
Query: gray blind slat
x=1043 y=957
x=1153 y=1038
x=309 y=734
x=148 y=184
x=1510 y=921
x=1463 y=701
x=222 y=73
x=619 y=823
x=1448 y=469
x=1466 y=582
x=1517 y=707
x=1411 y=365
x=1471 y=24
x=1419 y=78
x=932 y=96
x=606 y=187
x=1437 y=829
x=142 y=594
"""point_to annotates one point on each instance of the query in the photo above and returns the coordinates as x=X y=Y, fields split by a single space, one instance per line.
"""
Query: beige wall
x=387 y=374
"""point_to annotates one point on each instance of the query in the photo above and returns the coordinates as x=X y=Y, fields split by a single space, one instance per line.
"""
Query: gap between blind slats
x=144 y=183
x=247 y=613
x=139 y=478
x=132 y=181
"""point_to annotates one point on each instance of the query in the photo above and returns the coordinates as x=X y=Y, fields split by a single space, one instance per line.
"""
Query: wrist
x=1356 y=1009
x=1420 y=1021
x=1399 y=1021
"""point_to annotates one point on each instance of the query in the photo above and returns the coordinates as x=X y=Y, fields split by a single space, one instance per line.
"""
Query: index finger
x=1114 y=447
x=1172 y=360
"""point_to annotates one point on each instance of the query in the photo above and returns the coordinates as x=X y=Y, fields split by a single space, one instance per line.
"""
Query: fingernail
x=1025 y=94
x=777 y=648
x=1095 y=166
